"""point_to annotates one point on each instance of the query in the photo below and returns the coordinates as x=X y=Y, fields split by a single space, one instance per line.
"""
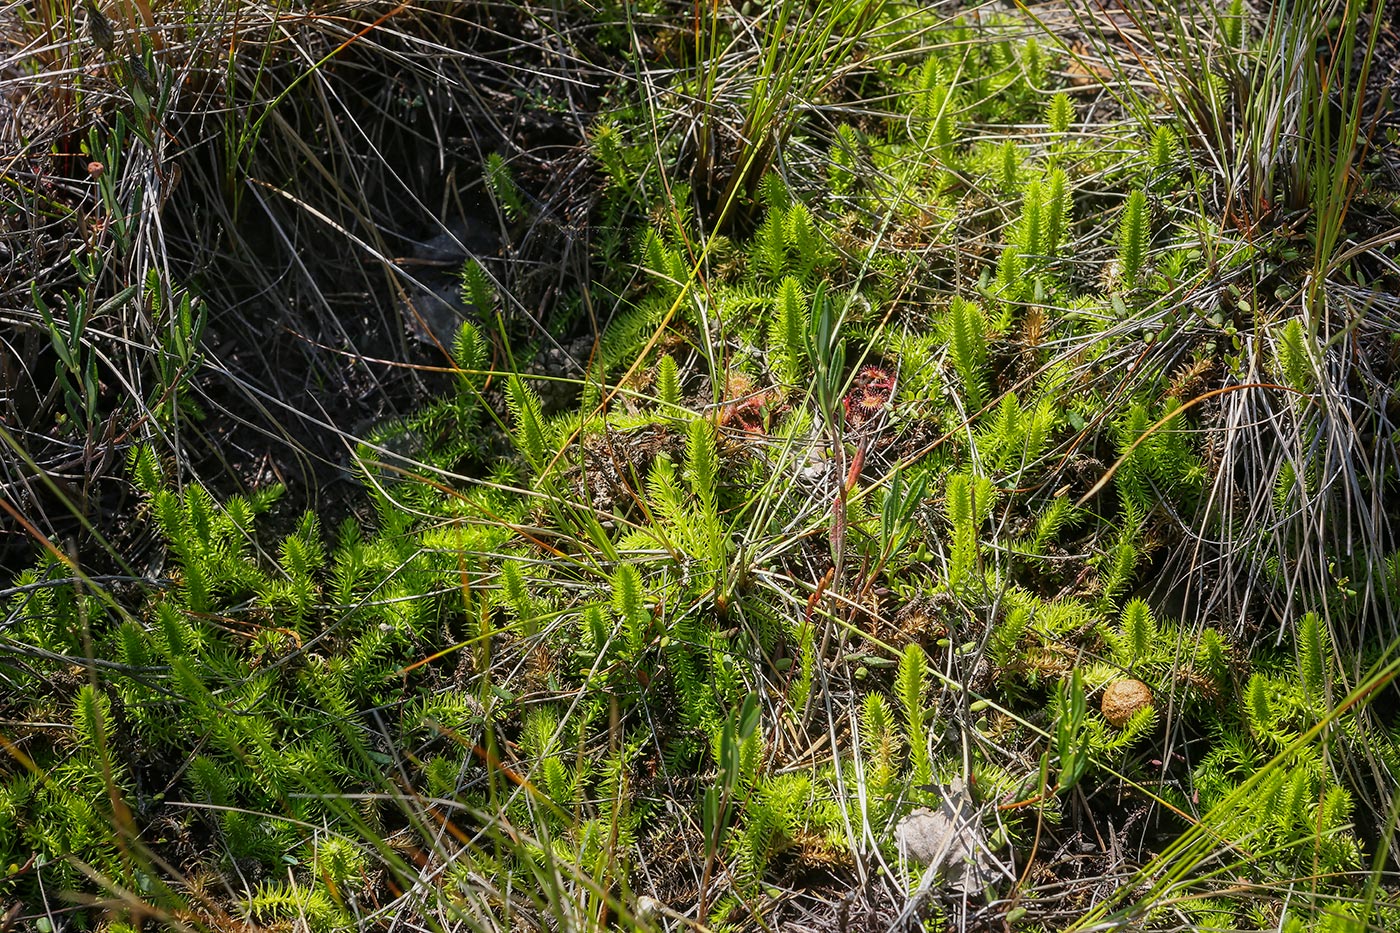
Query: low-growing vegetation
x=722 y=467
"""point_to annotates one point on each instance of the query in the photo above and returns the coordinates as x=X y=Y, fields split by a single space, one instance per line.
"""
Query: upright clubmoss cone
x=1123 y=698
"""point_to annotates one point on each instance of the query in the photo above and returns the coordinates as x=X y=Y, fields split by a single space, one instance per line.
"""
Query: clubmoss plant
x=907 y=434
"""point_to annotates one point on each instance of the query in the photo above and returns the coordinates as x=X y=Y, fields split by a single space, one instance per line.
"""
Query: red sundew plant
x=871 y=391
